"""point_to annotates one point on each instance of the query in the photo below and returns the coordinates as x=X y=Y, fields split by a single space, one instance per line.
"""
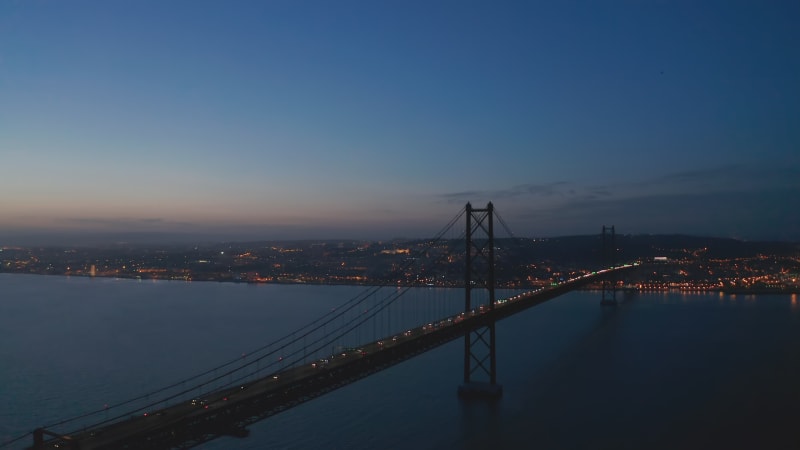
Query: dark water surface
x=665 y=371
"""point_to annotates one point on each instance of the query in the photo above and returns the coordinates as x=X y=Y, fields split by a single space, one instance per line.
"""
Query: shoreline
x=725 y=291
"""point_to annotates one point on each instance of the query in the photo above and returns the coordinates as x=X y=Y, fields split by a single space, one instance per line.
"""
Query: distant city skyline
x=198 y=120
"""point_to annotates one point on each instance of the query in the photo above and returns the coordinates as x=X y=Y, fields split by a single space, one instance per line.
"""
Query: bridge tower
x=609 y=259
x=480 y=363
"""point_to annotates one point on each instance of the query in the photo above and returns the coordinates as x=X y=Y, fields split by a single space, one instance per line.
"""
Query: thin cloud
x=554 y=189
x=753 y=215
x=734 y=200
x=724 y=178
x=457 y=197
x=119 y=222
x=542 y=190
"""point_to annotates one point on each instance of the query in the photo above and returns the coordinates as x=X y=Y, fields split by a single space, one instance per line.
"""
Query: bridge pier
x=609 y=253
x=478 y=390
x=38 y=439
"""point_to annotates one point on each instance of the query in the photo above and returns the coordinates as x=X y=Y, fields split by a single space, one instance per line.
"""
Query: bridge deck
x=229 y=411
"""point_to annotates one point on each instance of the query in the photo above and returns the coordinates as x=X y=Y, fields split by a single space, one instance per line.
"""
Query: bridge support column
x=38 y=439
x=609 y=257
x=479 y=343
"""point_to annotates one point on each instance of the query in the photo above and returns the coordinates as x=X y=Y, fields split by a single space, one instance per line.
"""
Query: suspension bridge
x=363 y=336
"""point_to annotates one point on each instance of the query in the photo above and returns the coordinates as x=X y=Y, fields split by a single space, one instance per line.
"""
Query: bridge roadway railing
x=230 y=411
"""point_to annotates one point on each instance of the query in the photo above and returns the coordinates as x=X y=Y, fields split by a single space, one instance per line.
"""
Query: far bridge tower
x=609 y=259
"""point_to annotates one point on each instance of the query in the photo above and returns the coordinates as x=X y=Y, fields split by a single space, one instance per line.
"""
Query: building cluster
x=759 y=274
x=521 y=263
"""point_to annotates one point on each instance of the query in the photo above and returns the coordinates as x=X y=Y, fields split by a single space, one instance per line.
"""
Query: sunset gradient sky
x=378 y=119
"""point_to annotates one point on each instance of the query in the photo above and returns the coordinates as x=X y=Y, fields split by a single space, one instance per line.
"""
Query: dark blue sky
x=357 y=119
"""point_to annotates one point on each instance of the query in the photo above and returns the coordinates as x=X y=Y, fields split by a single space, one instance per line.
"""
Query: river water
x=662 y=370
